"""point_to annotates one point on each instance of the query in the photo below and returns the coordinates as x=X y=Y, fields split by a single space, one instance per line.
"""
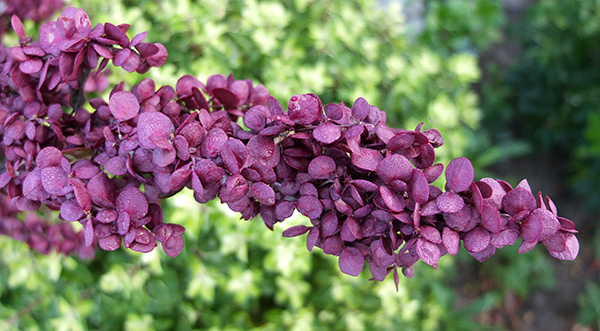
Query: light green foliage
x=274 y=283
x=340 y=50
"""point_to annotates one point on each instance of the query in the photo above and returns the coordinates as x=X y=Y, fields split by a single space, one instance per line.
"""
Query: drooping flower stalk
x=367 y=188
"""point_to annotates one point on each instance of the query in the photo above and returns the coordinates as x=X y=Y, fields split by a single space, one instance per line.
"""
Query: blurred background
x=514 y=85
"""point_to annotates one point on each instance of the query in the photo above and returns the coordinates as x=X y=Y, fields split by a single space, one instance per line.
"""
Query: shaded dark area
x=540 y=84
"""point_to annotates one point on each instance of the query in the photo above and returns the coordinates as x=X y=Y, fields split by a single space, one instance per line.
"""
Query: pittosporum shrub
x=365 y=187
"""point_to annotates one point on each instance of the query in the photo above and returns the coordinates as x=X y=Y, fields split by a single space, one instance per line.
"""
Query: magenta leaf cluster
x=366 y=188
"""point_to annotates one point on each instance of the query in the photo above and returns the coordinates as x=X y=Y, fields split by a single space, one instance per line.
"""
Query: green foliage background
x=238 y=275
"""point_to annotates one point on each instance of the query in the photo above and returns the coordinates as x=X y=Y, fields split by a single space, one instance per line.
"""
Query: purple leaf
x=102 y=190
x=394 y=166
x=107 y=216
x=116 y=166
x=327 y=133
x=360 y=109
x=490 y=218
x=366 y=158
x=556 y=243
x=449 y=202
x=351 y=230
x=226 y=97
x=261 y=148
x=123 y=223
x=451 y=241
x=295 y=231
x=550 y=224
x=531 y=228
x=133 y=202
x=49 y=157
x=256 y=117
x=329 y=224
x=527 y=246
x=17 y=25
x=305 y=109
x=153 y=128
x=310 y=206
x=180 y=177
x=71 y=211
x=332 y=245
x=393 y=201
x=380 y=256
x=32 y=186
x=518 y=199
x=54 y=180
x=351 y=261
x=214 y=140
x=110 y=243
x=31 y=66
x=236 y=186
x=263 y=193
x=284 y=209
x=433 y=172
x=321 y=167
x=505 y=237
x=124 y=105
x=571 y=248
x=174 y=245
x=88 y=233
x=401 y=141
x=428 y=252
x=459 y=175
x=164 y=157
x=312 y=238
x=477 y=240
x=431 y=234
x=484 y=254
x=420 y=187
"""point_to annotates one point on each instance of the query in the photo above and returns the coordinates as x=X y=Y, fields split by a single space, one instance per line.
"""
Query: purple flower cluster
x=35 y=10
x=365 y=187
